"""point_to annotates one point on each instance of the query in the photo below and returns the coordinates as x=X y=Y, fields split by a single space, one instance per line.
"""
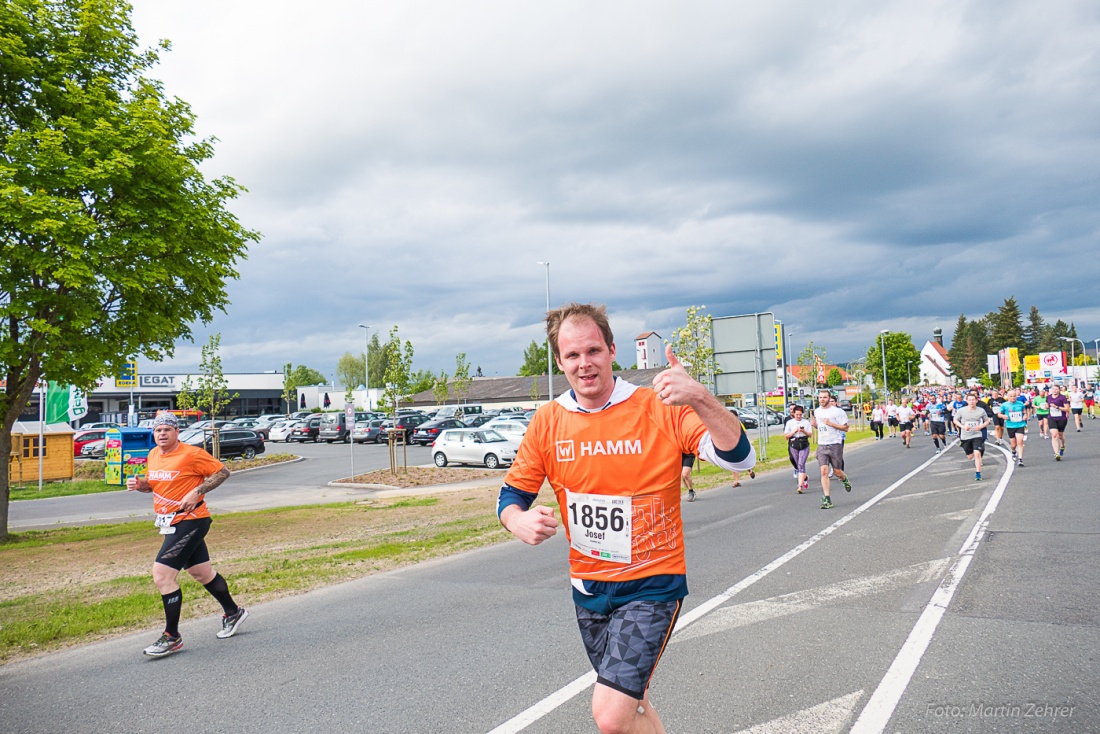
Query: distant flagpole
x=41 y=428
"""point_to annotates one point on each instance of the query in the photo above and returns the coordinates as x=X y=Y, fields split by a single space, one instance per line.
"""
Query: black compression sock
x=220 y=591
x=173 y=605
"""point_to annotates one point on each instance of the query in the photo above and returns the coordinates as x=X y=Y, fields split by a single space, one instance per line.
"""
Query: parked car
x=473 y=446
x=271 y=418
x=747 y=419
x=94 y=449
x=281 y=430
x=478 y=420
x=302 y=414
x=511 y=429
x=211 y=424
x=264 y=429
x=231 y=442
x=367 y=430
x=427 y=432
x=83 y=438
x=334 y=427
x=98 y=426
x=408 y=422
x=307 y=429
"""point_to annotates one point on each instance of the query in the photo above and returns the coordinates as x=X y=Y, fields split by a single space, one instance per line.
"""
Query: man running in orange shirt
x=179 y=476
x=612 y=453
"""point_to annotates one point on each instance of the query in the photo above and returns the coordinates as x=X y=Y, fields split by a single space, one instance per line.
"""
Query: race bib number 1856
x=599 y=525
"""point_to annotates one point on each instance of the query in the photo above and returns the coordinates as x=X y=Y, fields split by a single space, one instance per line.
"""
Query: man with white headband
x=179 y=476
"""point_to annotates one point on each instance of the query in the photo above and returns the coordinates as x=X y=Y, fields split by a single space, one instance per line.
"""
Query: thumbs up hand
x=675 y=386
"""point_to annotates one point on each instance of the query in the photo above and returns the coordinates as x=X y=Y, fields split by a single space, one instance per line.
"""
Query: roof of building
x=28 y=428
x=940 y=350
x=806 y=371
x=646 y=335
x=502 y=390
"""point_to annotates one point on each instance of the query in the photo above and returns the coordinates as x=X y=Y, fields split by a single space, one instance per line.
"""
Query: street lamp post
x=786 y=365
x=366 y=361
x=549 y=354
x=1072 y=355
x=909 y=374
x=882 y=339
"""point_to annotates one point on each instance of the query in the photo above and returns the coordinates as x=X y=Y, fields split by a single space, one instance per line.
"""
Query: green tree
x=295 y=378
x=806 y=356
x=956 y=354
x=1007 y=331
x=693 y=347
x=461 y=382
x=378 y=361
x=534 y=361
x=440 y=391
x=396 y=381
x=1033 y=332
x=534 y=393
x=421 y=381
x=113 y=243
x=834 y=378
x=899 y=352
x=210 y=393
x=350 y=370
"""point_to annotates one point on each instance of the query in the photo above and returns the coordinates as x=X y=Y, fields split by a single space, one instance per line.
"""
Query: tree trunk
x=20 y=390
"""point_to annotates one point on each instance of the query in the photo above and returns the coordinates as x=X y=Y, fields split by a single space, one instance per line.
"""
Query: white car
x=512 y=430
x=94 y=450
x=473 y=446
x=280 y=431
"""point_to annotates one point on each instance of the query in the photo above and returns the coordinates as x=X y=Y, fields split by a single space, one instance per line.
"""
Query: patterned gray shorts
x=626 y=645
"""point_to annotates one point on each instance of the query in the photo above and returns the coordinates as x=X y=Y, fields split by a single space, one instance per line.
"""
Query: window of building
x=30 y=447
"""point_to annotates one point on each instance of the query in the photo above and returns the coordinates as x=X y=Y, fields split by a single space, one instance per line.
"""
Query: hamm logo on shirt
x=161 y=475
x=566 y=450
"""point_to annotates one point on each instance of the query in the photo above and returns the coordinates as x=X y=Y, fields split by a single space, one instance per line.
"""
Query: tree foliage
x=899 y=352
x=441 y=390
x=693 y=346
x=806 y=356
x=210 y=394
x=351 y=370
x=396 y=380
x=113 y=242
x=460 y=383
x=295 y=378
x=534 y=361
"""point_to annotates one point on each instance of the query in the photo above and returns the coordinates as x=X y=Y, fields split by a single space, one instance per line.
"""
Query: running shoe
x=230 y=622
x=691 y=495
x=826 y=503
x=806 y=484
x=1020 y=463
x=736 y=485
x=977 y=476
x=1062 y=451
x=847 y=484
x=798 y=489
x=752 y=474
x=1057 y=457
x=166 y=645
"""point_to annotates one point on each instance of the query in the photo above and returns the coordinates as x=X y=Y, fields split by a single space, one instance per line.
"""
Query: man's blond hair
x=595 y=312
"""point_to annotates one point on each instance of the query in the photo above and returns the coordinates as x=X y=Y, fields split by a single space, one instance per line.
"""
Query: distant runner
x=832 y=425
x=1015 y=414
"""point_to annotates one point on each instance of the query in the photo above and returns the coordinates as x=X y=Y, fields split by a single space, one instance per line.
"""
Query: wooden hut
x=57 y=456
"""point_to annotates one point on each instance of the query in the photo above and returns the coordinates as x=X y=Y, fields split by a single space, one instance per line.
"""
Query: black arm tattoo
x=212 y=481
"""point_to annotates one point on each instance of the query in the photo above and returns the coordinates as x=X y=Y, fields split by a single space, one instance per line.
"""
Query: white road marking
x=520 y=721
x=825 y=718
x=876 y=715
x=741 y=615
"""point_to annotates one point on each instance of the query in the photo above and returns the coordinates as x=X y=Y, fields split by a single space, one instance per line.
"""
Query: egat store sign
x=164 y=382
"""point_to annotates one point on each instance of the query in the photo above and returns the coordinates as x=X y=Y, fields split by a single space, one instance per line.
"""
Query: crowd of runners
x=942 y=412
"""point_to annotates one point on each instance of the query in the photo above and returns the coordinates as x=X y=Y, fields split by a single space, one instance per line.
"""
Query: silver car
x=473 y=446
x=513 y=430
x=280 y=430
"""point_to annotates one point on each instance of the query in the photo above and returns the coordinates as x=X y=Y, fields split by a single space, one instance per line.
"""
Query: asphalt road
x=923 y=602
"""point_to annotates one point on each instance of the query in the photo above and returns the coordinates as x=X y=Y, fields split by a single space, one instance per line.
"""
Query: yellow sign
x=1013 y=359
x=1031 y=362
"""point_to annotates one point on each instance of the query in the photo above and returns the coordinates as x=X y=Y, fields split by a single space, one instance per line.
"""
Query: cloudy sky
x=850 y=166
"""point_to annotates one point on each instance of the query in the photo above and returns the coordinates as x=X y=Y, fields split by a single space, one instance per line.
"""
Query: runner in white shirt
x=832 y=425
x=892 y=418
x=905 y=421
x=1077 y=405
